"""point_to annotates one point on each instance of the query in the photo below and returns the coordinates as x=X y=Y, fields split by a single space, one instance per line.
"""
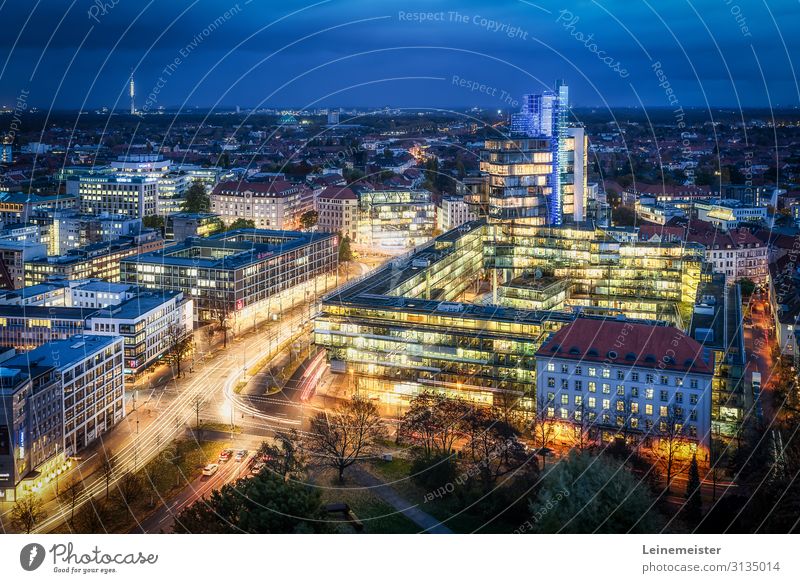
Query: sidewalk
x=425 y=521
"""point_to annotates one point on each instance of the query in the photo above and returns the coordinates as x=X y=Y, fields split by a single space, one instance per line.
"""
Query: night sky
x=69 y=54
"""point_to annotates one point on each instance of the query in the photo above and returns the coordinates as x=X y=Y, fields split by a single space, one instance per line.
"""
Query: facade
x=14 y=257
x=394 y=219
x=89 y=371
x=625 y=380
x=148 y=322
x=519 y=185
x=234 y=271
x=26 y=327
x=72 y=230
x=338 y=212
x=132 y=196
x=737 y=253
x=727 y=214
x=274 y=205
x=181 y=226
x=97 y=261
x=31 y=426
x=453 y=212
x=18 y=207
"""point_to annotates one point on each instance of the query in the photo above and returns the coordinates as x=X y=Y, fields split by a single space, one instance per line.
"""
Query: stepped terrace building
x=235 y=272
x=431 y=320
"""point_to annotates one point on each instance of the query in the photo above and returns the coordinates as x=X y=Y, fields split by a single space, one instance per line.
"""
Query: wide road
x=140 y=436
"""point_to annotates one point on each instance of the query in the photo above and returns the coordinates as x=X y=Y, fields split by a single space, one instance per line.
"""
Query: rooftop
x=230 y=250
x=62 y=354
x=626 y=343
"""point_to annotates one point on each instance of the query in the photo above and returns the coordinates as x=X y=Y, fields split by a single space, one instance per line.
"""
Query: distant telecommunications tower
x=133 y=94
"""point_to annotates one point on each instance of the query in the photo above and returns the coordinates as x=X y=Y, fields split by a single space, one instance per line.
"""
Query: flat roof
x=62 y=354
x=137 y=306
x=46 y=312
x=240 y=249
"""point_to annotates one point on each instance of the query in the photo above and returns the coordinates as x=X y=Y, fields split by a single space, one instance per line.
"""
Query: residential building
x=736 y=253
x=274 y=205
x=625 y=380
x=453 y=212
x=338 y=211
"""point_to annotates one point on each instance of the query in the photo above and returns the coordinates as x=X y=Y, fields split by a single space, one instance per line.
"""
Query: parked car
x=241 y=454
x=210 y=469
x=225 y=455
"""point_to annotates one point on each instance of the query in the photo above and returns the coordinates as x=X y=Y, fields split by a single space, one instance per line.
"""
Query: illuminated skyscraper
x=538 y=173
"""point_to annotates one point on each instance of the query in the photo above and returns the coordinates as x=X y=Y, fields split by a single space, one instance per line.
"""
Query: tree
x=494 y=448
x=671 y=443
x=107 y=468
x=220 y=315
x=197 y=199
x=308 y=219
x=264 y=504
x=543 y=428
x=747 y=286
x=153 y=222
x=433 y=422
x=694 y=502
x=341 y=438
x=582 y=433
x=241 y=223
x=199 y=404
x=587 y=494
x=27 y=513
x=179 y=345
x=345 y=251
x=130 y=487
x=287 y=457
x=70 y=494
x=91 y=518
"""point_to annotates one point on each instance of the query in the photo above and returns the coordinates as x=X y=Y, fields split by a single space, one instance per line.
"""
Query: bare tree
x=91 y=517
x=70 y=494
x=494 y=448
x=543 y=427
x=507 y=407
x=199 y=404
x=671 y=443
x=582 y=438
x=341 y=438
x=130 y=487
x=179 y=345
x=221 y=315
x=433 y=422
x=27 y=512
x=107 y=468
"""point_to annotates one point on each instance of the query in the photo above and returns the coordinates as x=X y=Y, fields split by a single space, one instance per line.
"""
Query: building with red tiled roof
x=737 y=253
x=625 y=379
